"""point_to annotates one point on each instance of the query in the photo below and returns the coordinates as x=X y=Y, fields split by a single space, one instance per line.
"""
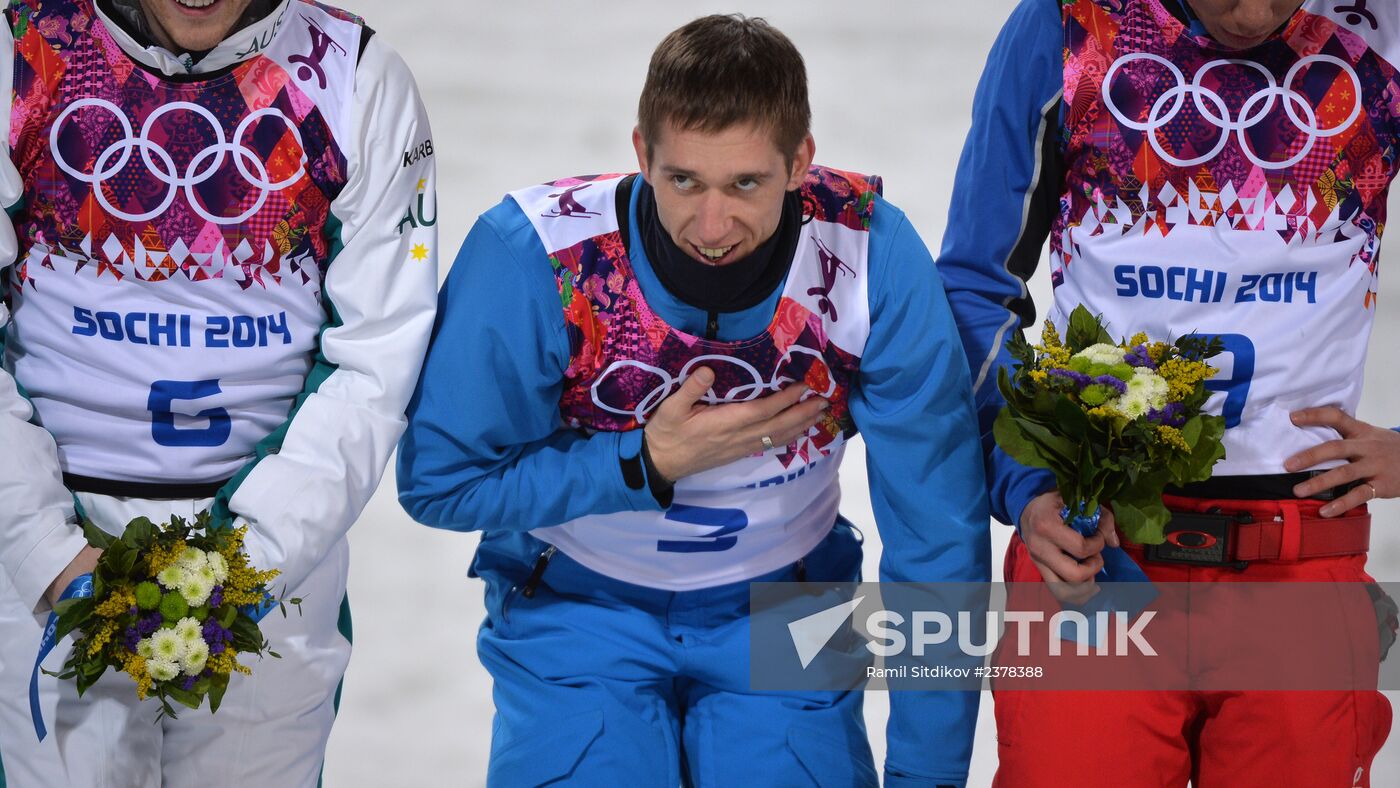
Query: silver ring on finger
x=767 y=443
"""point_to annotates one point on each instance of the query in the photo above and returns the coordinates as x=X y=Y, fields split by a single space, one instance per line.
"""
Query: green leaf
x=1084 y=330
x=246 y=635
x=1144 y=523
x=124 y=562
x=1020 y=349
x=1058 y=450
x=1191 y=431
x=1208 y=449
x=139 y=533
x=1012 y=440
x=1072 y=420
x=185 y=697
x=96 y=536
x=73 y=614
x=218 y=685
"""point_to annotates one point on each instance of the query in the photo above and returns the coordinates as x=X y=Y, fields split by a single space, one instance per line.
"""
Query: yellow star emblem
x=419 y=252
x=422 y=184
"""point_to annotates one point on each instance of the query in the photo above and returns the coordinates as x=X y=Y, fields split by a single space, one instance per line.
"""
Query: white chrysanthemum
x=192 y=558
x=189 y=629
x=1132 y=405
x=1151 y=386
x=166 y=644
x=220 y=566
x=196 y=589
x=1102 y=353
x=195 y=658
x=163 y=669
x=173 y=576
x=144 y=648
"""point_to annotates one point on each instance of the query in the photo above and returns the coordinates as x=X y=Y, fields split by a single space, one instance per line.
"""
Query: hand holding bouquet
x=172 y=607
x=1116 y=422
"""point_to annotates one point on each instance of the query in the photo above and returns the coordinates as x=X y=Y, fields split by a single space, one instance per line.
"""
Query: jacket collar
x=243 y=44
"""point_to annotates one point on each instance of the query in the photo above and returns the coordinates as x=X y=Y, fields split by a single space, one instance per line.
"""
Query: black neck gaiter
x=732 y=287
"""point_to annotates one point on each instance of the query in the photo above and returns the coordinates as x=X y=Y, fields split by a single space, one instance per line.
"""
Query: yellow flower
x=1140 y=338
x=1054 y=357
x=1049 y=337
x=1182 y=376
x=120 y=601
x=1105 y=411
x=1039 y=376
x=135 y=666
x=233 y=547
x=243 y=581
x=226 y=663
x=1172 y=437
x=101 y=637
x=160 y=557
x=1159 y=351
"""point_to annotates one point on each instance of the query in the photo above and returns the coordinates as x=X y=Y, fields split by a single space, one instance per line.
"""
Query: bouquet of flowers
x=1116 y=422
x=171 y=606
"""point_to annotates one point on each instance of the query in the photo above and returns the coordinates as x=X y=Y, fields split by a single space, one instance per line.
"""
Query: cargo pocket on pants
x=547 y=751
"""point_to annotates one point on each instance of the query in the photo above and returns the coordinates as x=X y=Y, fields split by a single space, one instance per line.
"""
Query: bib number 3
x=161 y=403
x=726 y=523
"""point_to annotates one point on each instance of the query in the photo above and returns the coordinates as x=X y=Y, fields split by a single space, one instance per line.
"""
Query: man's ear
x=643 y=160
x=801 y=162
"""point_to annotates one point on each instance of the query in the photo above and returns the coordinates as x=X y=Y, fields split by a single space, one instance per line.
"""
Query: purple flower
x=188 y=683
x=149 y=624
x=216 y=636
x=130 y=638
x=133 y=610
x=216 y=597
x=1112 y=382
x=1138 y=357
x=1079 y=378
x=1172 y=415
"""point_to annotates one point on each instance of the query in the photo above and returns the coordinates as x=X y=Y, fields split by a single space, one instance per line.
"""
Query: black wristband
x=662 y=489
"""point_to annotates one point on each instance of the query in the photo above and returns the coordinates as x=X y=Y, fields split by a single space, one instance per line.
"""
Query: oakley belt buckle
x=1199 y=539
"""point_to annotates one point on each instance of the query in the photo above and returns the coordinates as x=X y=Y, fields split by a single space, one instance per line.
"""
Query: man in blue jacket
x=640 y=390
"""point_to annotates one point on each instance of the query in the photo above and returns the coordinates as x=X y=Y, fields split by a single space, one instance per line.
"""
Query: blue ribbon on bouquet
x=80 y=588
x=259 y=611
x=1127 y=588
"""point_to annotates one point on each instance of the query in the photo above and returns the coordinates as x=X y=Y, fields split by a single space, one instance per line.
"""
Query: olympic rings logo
x=1212 y=107
x=743 y=393
x=162 y=166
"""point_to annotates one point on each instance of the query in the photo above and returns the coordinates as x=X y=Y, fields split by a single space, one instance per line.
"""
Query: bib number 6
x=164 y=395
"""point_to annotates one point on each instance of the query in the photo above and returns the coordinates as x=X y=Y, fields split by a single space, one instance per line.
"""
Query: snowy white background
x=522 y=92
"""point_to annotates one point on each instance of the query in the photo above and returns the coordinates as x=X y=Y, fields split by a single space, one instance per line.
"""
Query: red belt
x=1311 y=538
x=1280 y=530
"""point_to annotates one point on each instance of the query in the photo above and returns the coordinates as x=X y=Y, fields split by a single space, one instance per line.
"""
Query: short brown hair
x=722 y=70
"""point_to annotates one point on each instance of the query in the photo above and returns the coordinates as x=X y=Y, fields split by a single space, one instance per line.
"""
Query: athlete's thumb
x=695 y=386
